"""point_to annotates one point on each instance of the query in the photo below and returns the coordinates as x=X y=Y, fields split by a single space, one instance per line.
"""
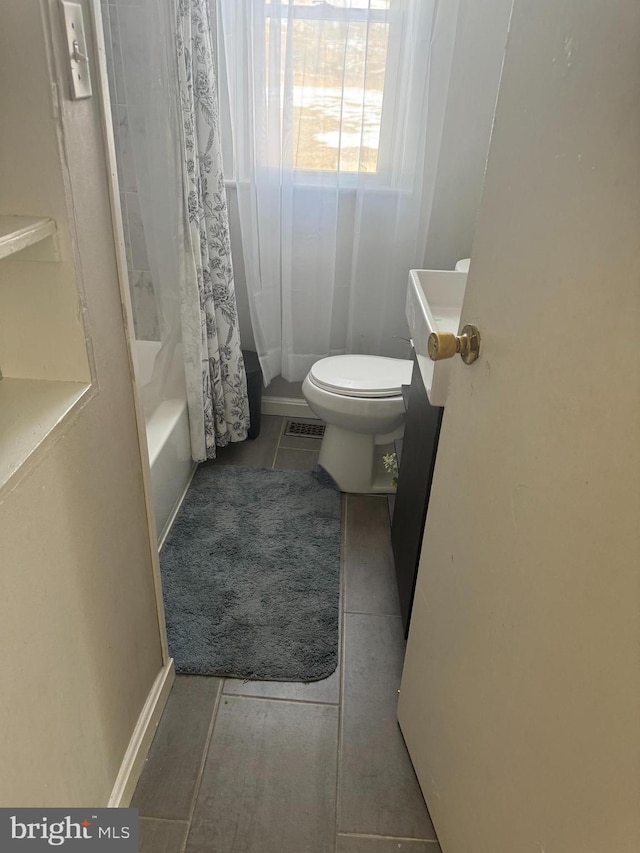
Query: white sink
x=434 y=304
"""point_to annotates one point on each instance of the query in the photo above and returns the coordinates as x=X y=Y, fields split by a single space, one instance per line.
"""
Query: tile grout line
x=343 y=643
x=205 y=755
x=163 y=819
x=388 y=837
x=369 y=613
x=282 y=698
x=275 y=455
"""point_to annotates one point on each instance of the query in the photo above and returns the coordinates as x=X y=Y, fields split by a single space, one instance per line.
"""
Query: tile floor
x=269 y=767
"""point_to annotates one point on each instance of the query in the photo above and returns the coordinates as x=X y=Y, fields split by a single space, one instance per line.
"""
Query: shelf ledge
x=30 y=409
x=19 y=232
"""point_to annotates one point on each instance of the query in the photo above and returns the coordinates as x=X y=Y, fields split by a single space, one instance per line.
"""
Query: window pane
x=338 y=82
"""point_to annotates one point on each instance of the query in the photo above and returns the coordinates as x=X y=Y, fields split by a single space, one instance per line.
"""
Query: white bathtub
x=169 y=445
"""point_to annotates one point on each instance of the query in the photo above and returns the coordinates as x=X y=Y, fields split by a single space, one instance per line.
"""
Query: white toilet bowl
x=359 y=397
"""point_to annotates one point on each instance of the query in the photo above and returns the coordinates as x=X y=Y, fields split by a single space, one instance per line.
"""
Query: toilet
x=359 y=397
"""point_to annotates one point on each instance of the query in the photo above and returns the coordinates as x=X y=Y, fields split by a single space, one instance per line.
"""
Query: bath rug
x=251 y=575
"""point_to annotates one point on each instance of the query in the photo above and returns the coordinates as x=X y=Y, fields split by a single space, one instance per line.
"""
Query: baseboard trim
x=288 y=407
x=143 y=734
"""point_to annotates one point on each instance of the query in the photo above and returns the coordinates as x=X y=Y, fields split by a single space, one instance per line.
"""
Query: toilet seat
x=362 y=375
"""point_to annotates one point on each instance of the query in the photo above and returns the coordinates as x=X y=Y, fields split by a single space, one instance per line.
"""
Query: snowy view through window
x=339 y=55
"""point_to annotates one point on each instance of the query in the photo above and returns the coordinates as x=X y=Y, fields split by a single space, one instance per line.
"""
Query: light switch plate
x=78 y=57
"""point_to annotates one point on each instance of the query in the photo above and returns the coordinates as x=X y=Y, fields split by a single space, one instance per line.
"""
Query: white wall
x=469 y=105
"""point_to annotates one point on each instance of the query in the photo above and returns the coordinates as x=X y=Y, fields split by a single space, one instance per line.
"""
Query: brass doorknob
x=445 y=345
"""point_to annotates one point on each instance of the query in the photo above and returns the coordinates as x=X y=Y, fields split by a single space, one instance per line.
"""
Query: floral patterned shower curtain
x=216 y=381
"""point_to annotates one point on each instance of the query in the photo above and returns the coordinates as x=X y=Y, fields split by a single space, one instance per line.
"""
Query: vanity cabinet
x=415 y=474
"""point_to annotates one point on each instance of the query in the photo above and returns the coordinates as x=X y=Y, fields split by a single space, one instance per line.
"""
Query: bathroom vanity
x=417 y=461
x=434 y=304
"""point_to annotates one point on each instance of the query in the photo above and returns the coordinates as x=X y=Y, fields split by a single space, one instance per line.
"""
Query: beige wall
x=78 y=623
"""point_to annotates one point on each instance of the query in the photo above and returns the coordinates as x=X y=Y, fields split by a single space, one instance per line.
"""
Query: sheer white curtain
x=328 y=117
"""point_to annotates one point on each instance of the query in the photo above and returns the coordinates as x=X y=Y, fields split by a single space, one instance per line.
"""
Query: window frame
x=324 y=11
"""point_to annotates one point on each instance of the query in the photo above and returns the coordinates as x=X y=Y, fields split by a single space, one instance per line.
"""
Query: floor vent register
x=305 y=429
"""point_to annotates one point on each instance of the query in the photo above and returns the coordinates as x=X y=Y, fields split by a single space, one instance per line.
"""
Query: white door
x=520 y=699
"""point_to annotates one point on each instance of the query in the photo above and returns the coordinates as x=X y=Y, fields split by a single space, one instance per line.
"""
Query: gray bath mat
x=250 y=573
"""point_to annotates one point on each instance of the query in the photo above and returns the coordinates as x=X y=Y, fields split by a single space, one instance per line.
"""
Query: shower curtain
x=173 y=132
x=216 y=382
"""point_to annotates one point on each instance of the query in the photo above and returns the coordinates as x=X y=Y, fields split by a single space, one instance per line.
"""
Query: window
x=331 y=59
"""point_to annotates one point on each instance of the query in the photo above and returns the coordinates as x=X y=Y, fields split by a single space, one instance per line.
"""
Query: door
x=520 y=698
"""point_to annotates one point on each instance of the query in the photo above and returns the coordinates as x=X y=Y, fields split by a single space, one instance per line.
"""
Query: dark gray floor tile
x=254 y=453
x=270 y=779
x=167 y=784
x=296 y=460
x=162 y=836
x=378 y=790
x=327 y=690
x=369 y=570
x=367 y=844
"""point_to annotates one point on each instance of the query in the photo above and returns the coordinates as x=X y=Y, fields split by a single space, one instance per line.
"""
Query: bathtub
x=168 y=442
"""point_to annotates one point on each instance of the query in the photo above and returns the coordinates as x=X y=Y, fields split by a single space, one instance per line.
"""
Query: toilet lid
x=362 y=375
